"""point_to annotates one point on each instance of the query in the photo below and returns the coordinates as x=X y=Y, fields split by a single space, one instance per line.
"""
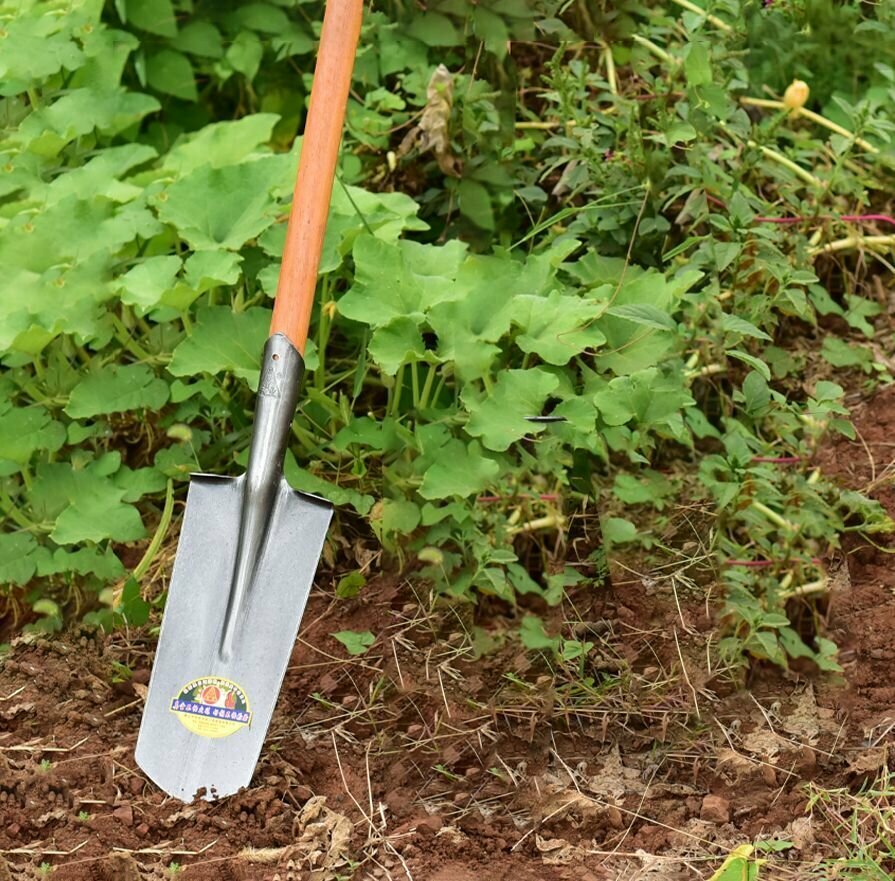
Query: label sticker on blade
x=212 y=707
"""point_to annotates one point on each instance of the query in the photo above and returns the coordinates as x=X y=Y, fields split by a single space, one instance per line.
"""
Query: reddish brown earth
x=421 y=761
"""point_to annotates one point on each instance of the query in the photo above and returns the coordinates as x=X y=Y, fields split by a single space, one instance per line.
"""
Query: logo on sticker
x=212 y=707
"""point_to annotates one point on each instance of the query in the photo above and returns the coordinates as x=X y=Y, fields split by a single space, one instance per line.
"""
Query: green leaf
x=145 y=284
x=632 y=346
x=752 y=361
x=98 y=176
x=85 y=503
x=350 y=585
x=155 y=16
x=828 y=391
x=261 y=17
x=395 y=343
x=738 y=866
x=171 y=72
x=103 y=565
x=403 y=280
x=117 y=390
x=482 y=307
x=793 y=645
x=34 y=48
x=534 y=636
x=556 y=327
x=224 y=207
x=859 y=310
x=646 y=397
x=294 y=40
x=80 y=112
x=839 y=353
x=133 y=607
x=735 y=324
x=434 y=29
x=305 y=481
x=199 y=38
x=697 y=64
x=458 y=470
x=210 y=269
x=491 y=29
x=827 y=652
x=757 y=394
x=499 y=418
x=492 y=581
x=18 y=562
x=25 y=430
x=645 y=314
x=617 y=530
x=223 y=340
x=398 y=516
x=648 y=487
x=355 y=642
x=475 y=203
x=221 y=143
x=765 y=644
x=245 y=54
x=138 y=482
x=679 y=133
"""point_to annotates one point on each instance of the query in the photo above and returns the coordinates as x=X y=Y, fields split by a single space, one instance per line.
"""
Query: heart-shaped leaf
x=116 y=390
x=499 y=417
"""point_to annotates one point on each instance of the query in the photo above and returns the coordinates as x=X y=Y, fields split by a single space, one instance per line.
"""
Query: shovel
x=249 y=545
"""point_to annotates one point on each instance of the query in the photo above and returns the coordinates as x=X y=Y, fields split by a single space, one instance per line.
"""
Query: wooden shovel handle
x=316 y=168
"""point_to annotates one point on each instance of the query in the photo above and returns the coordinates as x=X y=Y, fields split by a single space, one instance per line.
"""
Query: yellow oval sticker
x=212 y=707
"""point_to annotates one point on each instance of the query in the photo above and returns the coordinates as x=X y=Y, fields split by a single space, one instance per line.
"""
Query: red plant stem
x=848 y=218
x=861 y=218
x=778 y=460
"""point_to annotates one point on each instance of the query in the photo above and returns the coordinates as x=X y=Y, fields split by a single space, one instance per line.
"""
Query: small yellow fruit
x=796 y=94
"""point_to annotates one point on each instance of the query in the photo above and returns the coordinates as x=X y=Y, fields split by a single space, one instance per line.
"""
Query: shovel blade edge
x=206 y=718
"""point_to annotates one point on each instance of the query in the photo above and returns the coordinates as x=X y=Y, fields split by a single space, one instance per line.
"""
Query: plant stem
x=550 y=521
x=13 y=512
x=660 y=53
x=780 y=159
x=545 y=126
x=809 y=114
x=439 y=388
x=773 y=516
x=159 y=536
x=692 y=7
x=396 y=390
x=415 y=384
x=123 y=335
x=427 y=387
x=819 y=586
x=611 y=77
x=323 y=328
x=857 y=241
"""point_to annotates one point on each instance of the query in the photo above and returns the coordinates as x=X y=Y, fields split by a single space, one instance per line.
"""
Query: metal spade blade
x=247 y=555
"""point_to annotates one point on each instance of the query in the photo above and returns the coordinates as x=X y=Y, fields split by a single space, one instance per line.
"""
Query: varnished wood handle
x=316 y=169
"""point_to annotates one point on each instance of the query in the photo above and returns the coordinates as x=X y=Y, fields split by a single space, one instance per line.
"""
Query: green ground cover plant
x=614 y=265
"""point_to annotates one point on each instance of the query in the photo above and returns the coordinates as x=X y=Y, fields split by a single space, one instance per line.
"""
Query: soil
x=420 y=760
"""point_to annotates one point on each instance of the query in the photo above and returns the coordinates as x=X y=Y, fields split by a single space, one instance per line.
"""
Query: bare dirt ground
x=419 y=760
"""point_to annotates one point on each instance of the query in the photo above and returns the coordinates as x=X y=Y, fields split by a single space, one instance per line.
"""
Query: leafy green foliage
x=355 y=642
x=542 y=279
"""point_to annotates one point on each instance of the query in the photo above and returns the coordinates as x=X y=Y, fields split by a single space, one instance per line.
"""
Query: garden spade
x=249 y=545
